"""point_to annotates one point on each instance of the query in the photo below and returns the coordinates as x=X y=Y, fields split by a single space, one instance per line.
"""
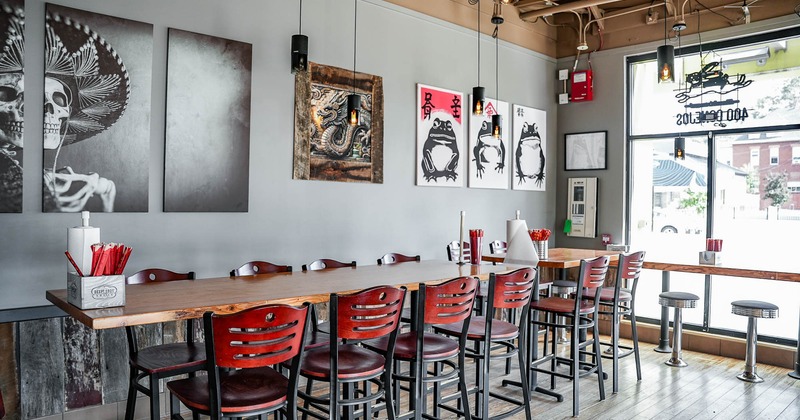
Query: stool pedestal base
x=750 y=377
x=677 y=340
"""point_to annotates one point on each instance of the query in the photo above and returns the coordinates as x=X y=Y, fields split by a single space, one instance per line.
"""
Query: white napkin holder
x=95 y=292
x=710 y=258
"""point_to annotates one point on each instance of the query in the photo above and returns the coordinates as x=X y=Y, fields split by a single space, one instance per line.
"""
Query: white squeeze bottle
x=79 y=242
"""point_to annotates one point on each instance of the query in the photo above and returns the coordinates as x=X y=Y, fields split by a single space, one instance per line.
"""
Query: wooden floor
x=706 y=389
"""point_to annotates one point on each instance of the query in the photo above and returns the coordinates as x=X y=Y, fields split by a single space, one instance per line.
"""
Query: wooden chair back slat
x=453 y=250
x=157 y=274
x=260 y=267
x=513 y=290
x=449 y=302
x=324 y=263
x=370 y=313
x=498 y=247
x=394 y=258
x=257 y=337
x=593 y=272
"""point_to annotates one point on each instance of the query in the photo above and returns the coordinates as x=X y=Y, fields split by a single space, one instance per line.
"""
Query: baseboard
x=717 y=345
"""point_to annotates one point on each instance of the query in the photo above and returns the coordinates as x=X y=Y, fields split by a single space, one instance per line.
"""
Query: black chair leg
x=154 y=403
x=599 y=360
x=635 y=336
x=130 y=405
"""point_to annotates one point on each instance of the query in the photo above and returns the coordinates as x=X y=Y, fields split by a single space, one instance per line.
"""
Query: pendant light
x=478 y=92
x=354 y=100
x=300 y=47
x=497 y=119
x=680 y=148
x=666 y=57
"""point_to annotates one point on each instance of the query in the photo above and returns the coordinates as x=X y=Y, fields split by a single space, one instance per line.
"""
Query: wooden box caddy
x=95 y=292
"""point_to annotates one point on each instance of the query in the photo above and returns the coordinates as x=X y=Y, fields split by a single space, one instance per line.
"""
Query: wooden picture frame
x=585 y=151
x=326 y=148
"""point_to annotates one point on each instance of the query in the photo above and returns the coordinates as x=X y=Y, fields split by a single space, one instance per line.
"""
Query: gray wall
x=607 y=112
x=289 y=221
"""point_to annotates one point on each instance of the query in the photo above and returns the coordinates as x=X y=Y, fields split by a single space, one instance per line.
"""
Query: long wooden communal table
x=735 y=269
x=176 y=300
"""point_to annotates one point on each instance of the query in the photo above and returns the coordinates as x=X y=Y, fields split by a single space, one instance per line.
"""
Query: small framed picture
x=585 y=151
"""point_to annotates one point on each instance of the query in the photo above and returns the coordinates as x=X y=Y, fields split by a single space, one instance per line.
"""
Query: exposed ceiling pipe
x=586 y=27
x=563 y=8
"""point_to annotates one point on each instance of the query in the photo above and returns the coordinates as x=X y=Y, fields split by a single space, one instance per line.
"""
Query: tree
x=776 y=189
x=695 y=200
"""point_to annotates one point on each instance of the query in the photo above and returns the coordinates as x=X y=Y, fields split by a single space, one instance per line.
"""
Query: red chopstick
x=71 y=261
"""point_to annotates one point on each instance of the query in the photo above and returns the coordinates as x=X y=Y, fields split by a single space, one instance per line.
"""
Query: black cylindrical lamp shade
x=353 y=109
x=680 y=148
x=478 y=100
x=497 y=125
x=299 y=52
x=666 y=63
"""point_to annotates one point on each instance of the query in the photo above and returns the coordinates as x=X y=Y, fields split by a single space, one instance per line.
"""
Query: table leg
x=796 y=372
x=663 y=341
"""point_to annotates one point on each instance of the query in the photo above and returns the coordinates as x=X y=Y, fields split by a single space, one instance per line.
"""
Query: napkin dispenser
x=710 y=257
x=95 y=292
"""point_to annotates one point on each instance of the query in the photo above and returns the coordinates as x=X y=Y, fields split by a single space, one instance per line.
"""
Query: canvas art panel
x=585 y=151
x=98 y=75
x=207 y=154
x=12 y=119
x=488 y=162
x=440 y=137
x=326 y=146
x=529 y=144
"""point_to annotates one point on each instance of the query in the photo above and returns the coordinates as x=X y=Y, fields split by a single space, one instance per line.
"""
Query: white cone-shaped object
x=520 y=249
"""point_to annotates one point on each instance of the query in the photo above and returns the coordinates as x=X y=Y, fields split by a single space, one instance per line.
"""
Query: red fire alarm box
x=582 y=86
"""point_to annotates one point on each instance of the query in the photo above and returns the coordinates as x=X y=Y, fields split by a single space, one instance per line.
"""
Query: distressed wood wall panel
x=41 y=367
x=82 y=362
x=8 y=371
x=114 y=369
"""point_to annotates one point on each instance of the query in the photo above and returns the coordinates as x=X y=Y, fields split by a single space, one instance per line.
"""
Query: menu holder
x=96 y=292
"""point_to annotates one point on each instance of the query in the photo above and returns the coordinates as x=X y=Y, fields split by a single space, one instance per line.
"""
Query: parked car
x=678 y=221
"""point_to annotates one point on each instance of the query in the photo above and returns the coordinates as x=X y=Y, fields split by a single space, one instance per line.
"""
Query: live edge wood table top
x=767 y=270
x=561 y=257
x=175 y=300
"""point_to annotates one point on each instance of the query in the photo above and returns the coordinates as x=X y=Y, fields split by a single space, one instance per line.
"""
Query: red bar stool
x=447 y=303
x=506 y=291
x=163 y=360
x=498 y=247
x=320 y=331
x=260 y=267
x=242 y=348
x=619 y=302
x=578 y=315
x=344 y=363
x=394 y=258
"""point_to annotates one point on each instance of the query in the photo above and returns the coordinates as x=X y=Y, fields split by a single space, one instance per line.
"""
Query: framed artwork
x=528 y=142
x=440 y=137
x=207 y=152
x=97 y=82
x=585 y=151
x=488 y=164
x=12 y=120
x=326 y=147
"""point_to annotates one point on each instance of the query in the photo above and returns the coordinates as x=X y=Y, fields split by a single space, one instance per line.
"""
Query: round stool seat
x=563 y=287
x=754 y=308
x=678 y=299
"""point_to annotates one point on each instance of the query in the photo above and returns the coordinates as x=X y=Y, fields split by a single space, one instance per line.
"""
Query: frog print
x=440 y=152
x=485 y=140
x=530 y=156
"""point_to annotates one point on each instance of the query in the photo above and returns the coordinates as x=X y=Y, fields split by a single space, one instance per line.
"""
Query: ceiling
x=551 y=26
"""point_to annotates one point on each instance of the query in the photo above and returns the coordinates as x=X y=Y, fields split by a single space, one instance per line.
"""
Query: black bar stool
x=677 y=300
x=752 y=309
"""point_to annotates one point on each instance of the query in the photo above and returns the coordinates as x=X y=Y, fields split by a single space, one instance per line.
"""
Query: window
x=773 y=155
x=795 y=155
x=754 y=156
x=794 y=187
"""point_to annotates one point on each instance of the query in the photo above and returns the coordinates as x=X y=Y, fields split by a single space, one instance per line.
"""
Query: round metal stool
x=677 y=300
x=752 y=309
x=562 y=289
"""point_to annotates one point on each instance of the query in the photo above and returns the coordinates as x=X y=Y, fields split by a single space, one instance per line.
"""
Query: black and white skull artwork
x=12 y=112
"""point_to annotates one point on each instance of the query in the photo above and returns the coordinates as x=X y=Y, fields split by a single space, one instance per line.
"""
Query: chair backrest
x=370 y=313
x=154 y=275
x=324 y=263
x=448 y=302
x=593 y=272
x=256 y=337
x=511 y=290
x=453 y=250
x=498 y=247
x=629 y=269
x=394 y=258
x=157 y=274
x=260 y=267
